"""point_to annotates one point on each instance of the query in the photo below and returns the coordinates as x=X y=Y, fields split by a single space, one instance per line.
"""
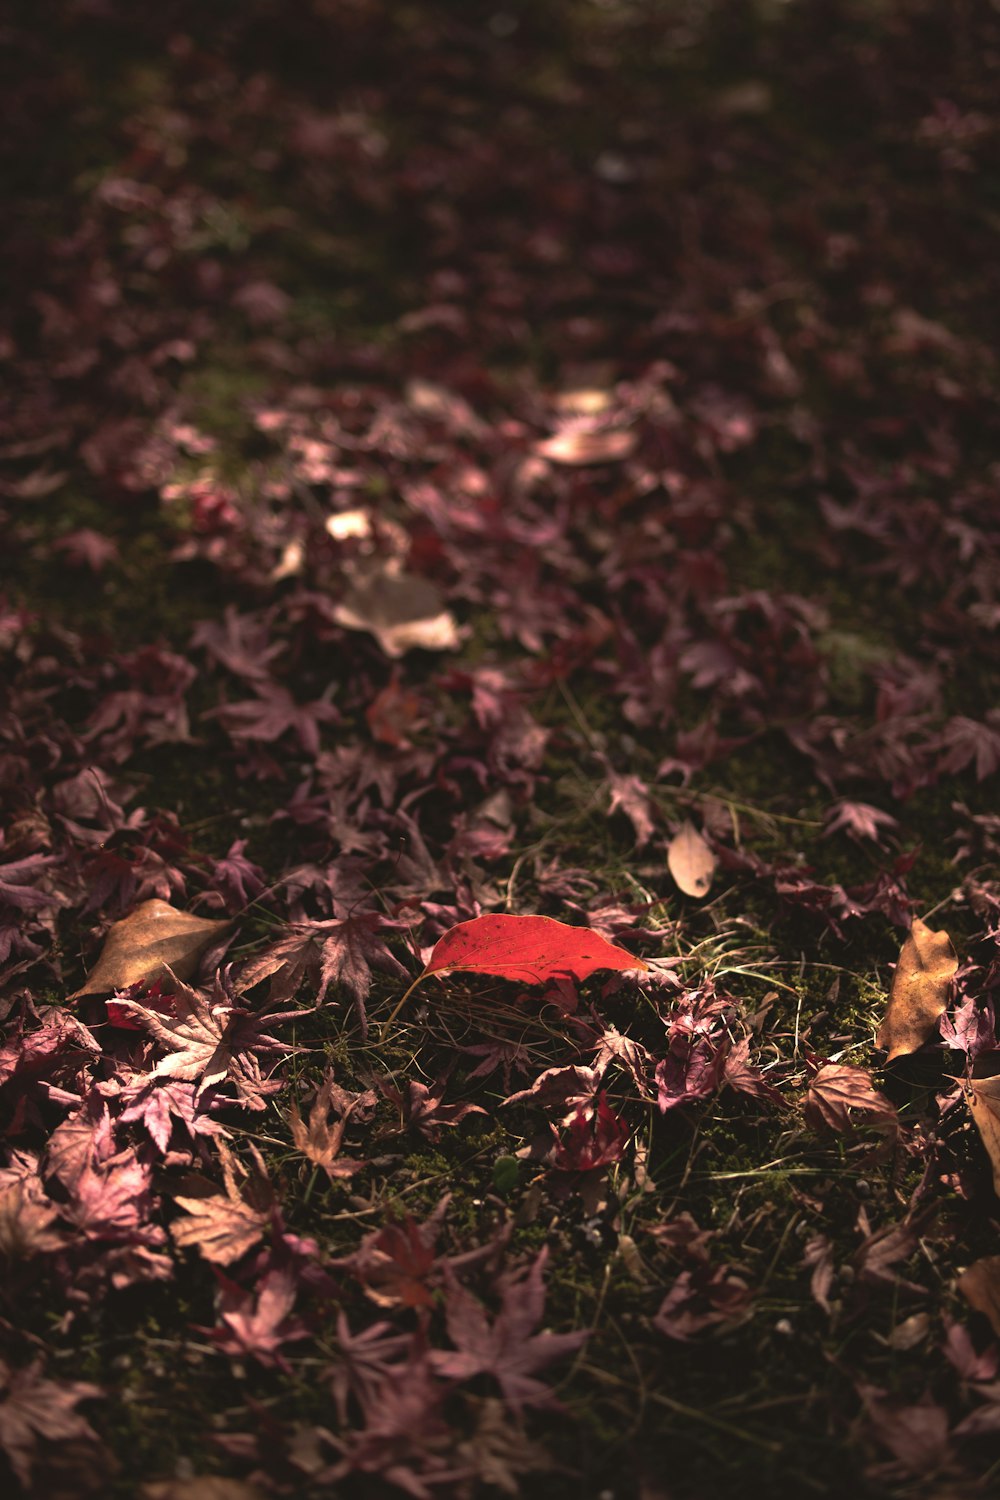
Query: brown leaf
x=143 y=945
x=980 y=1286
x=983 y=1096
x=690 y=861
x=578 y=446
x=222 y=1227
x=201 y=1487
x=837 y=1088
x=321 y=1139
x=919 y=993
x=401 y=610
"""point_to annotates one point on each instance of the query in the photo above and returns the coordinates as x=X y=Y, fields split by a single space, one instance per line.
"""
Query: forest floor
x=522 y=459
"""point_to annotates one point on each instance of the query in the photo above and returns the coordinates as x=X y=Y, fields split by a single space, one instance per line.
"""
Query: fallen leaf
x=222 y=1227
x=141 y=947
x=690 y=861
x=984 y=1104
x=837 y=1088
x=320 y=1141
x=400 y=610
x=980 y=1286
x=528 y=950
x=919 y=994
x=201 y=1487
x=577 y=446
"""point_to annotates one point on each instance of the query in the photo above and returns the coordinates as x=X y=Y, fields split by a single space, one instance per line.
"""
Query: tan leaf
x=919 y=994
x=401 y=610
x=838 y=1088
x=690 y=861
x=320 y=1141
x=984 y=1103
x=578 y=446
x=222 y=1227
x=980 y=1286
x=143 y=945
x=201 y=1487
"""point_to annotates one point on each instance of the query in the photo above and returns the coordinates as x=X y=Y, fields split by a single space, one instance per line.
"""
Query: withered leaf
x=142 y=947
x=690 y=861
x=402 y=611
x=837 y=1088
x=210 y=1040
x=984 y=1103
x=579 y=446
x=919 y=994
x=201 y=1487
x=980 y=1286
x=222 y=1227
x=320 y=1141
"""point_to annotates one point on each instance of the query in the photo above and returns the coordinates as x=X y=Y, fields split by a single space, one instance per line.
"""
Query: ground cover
x=463 y=462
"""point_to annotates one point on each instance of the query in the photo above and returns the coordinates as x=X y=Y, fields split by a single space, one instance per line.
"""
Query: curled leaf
x=980 y=1286
x=919 y=994
x=690 y=861
x=151 y=940
x=529 y=950
x=983 y=1096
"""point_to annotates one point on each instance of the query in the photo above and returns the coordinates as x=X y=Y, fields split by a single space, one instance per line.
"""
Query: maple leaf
x=209 y=1040
x=17 y=888
x=508 y=1348
x=158 y=1103
x=593 y=1139
x=420 y=1106
x=397 y=1265
x=967 y=740
x=364 y=1361
x=343 y=951
x=972 y=1028
x=240 y=643
x=836 y=1089
x=916 y=1433
x=320 y=1141
x=631 y=796
x=693 y=1069
x=222 y=1227
x=258 y=1322
x=27 y=1214
x=683 y=1311
x=274 y=713
x=858 y=819
x=36 y=1413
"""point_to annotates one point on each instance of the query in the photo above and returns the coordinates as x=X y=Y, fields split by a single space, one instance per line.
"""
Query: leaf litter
x=352 y=653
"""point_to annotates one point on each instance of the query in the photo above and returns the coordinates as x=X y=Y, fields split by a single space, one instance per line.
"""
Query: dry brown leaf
x=401 y=610
x=919 y=994
x=201 y=1487
x=143 y=945
x=222 y=1227
x=984 y=1103
x=320 y=1141
x=980 y=1286
x=578 y=446
x=690 y=861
